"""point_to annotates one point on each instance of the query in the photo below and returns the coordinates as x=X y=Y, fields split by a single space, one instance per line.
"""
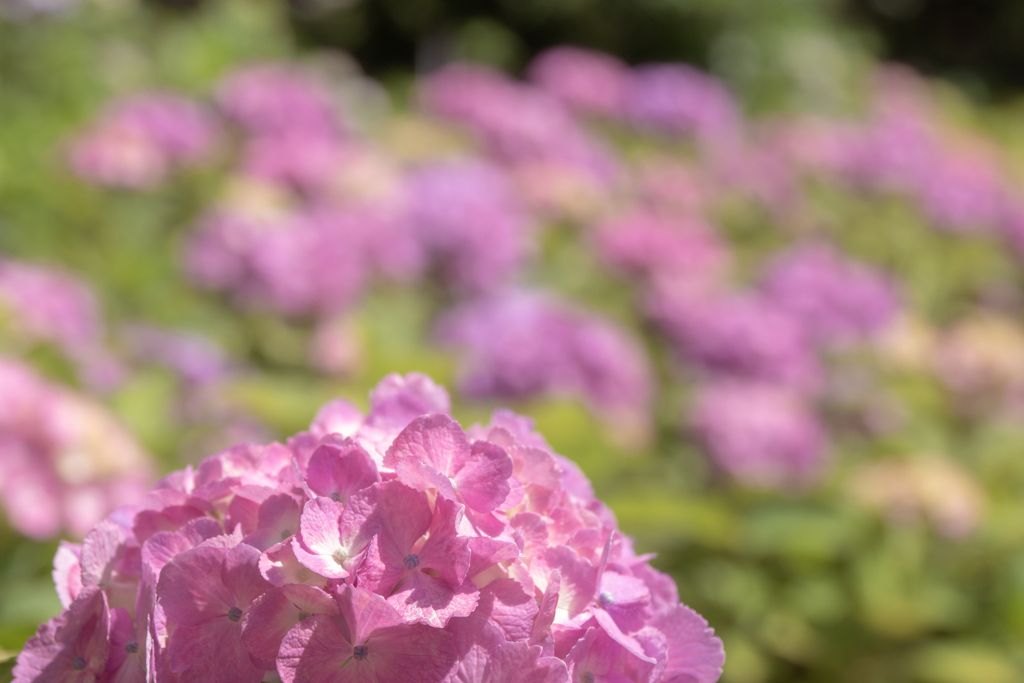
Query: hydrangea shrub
x=391 y=546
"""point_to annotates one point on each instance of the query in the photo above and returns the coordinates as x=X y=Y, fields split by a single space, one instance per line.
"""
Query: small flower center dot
x=411 y=561
x=132 y=647
x=340 y=556
x=78 y=663
x=303 y=616
x=335 y=496
x=234 y=614
x=588 y=677
x=606 y=598
x=360 y=652
x=285 y=534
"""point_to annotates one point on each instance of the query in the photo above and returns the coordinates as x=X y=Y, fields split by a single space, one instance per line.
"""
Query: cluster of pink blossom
x=44 y=305
x=317 y=209
x=904 y=148
x=139 y=140
x=65 y=462
x=385 y=547
x=521 y=344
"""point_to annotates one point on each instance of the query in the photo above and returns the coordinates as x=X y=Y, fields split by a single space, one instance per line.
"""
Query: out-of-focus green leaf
x=962 y=662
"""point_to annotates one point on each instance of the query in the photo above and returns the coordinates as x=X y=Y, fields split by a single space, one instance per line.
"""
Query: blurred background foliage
x=801 y=586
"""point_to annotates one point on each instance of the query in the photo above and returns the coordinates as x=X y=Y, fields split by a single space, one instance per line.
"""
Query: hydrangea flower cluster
x=139 y=140
x=43 y=305
x=65 y=462
x=522 y=345
x=319 y=207
x=387 y=546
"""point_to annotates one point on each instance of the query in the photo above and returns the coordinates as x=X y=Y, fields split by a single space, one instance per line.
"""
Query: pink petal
x=695 y=655
x=276 y=612
x=481 y=479
x=397 y=400
x=340 y=469
x=212 y=652
x=476 y=641
x=314 y=652
x=523 y=663
x=435 y=440
x=428 y=600
x=102 y=548
x=190 y=586
x=241 y=575
x=404 y=516
x=508 y=607
x=67 y=572
x=445 y=551
x=71 y=647
x=279 y=566
x=487 y=552
x=365 y=612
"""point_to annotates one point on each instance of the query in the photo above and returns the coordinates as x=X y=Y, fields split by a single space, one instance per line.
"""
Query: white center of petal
x=340 y=556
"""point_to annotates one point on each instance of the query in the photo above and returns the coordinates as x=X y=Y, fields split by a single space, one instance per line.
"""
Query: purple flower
x=746 y=336
x=761 y=434
x=51 y=306
x=522 y=345
x=676 y=99
x=196 y=358
x=139 y=140
x=517 y=122
x=645 y=243
x=835 y=299
x=273 y=98
x=468 y=219
x=963 y=193
x=587 y=81
x=64 y=461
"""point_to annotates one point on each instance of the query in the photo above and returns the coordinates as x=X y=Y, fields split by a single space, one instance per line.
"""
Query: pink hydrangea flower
x=468 y=219
x=835 y=298
x=588 y=81
x=521 y=345
x=44 y=305
x=739 y=335
x=517 y=122
x=649 y=244
x=678 y=99
x=271 y=98
x=764 y=435
x=139 y=140
x=65 y=462
x=422 y=553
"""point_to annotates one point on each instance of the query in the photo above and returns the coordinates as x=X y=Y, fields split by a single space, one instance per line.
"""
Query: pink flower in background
x=470 y=223
x=476 y=556
x=523 y=345
x=195 y=358
x=274 y=98
x=139 y=140
x=588 y=81
x=64 y=461
x=964 y=193
x=648 y=244
x=745 y=336
x=51 y=306
x=835 y=298
x=677 y=99
x=518 y=123
x=763 y=435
